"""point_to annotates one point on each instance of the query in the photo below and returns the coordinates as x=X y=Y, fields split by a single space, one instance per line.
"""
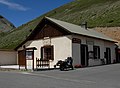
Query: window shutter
x=98 y=52
x=42 y=53
x=52 y=53
x=94 y=52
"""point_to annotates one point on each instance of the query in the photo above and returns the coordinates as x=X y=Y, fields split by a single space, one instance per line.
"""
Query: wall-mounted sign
x=46 y=41
x=89 y=42
x=29 y=55
x=91 y=54
x=76 y=40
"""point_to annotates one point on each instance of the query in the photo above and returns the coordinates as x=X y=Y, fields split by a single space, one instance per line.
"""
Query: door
x=108 y=55
x=22 y=58
x=84 y=55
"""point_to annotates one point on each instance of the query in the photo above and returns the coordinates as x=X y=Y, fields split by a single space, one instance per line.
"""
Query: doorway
x=22 y=58
x=84 y=55
x=108 y=56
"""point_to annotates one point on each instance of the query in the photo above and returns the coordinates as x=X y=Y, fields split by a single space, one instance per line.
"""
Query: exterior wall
x=112 y=47
x=62 y=49
x=95 y=42
x=8 y=57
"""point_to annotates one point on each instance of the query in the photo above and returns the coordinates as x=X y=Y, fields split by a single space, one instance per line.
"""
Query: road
x=107 y=76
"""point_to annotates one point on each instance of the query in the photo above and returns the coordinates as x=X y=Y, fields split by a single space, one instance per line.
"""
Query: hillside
x=112 y=32
x=98 y=13
x=5 y=25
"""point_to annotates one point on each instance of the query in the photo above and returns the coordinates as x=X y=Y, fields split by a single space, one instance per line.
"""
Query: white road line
x=58 y=78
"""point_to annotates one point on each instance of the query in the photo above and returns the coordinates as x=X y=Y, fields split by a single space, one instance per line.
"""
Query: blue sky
x=21 y=11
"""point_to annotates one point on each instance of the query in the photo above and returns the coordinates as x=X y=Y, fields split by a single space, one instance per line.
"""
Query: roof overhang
x=114 y=41
x=30 y=48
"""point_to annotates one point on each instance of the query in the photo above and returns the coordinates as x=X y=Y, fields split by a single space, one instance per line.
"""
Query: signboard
x=76 y=40
x=46 y=41
x=89 y=42
x=29 y=55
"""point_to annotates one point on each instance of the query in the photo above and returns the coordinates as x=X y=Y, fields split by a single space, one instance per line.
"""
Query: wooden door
x=21 y=58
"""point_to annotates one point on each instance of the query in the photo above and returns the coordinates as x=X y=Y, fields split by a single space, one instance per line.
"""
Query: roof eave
x=95 y=37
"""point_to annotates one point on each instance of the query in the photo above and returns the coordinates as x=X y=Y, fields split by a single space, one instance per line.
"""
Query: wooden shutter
x=42 y=53
x=52 y=53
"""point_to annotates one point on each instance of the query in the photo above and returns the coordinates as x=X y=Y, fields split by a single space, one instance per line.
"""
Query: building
x=114 y=33
x=8 y=57
x=53 y=40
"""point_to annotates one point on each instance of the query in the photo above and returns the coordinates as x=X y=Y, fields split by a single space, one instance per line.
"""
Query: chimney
x=84 y=25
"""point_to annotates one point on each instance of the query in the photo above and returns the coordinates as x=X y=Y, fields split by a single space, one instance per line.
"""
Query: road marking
x=25 y=73
x=58 y=78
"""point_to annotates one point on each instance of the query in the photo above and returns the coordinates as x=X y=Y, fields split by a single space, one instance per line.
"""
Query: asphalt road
x=92 y=77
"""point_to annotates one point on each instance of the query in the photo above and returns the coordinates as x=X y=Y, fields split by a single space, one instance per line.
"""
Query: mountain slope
x=98 y=13
x=95 y=12
x=5 y=25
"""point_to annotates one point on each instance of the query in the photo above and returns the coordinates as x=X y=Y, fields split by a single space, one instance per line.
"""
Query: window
x=47 y=53
x=96 y=52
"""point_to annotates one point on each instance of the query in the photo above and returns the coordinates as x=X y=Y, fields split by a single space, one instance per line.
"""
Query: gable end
x=48 y=29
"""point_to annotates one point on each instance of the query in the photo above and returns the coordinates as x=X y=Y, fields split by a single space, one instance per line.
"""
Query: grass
x=98 y=13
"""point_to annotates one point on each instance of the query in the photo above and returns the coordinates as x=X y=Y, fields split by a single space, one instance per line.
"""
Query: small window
x=47 y=53
x=96 y=52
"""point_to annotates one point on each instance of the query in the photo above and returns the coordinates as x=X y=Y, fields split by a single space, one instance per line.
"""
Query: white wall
x=112 y=47
x=8 y=57
x=97 y=42
x=62 y=49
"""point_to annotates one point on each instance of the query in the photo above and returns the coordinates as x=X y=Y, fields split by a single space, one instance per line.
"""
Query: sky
x=20 y=12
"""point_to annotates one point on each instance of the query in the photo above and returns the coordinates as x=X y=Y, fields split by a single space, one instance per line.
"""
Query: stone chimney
x=84 y=25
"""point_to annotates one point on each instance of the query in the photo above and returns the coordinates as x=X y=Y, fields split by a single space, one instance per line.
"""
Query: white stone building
x=55 y=40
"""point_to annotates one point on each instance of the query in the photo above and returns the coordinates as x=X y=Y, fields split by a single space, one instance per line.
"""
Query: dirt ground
x=112 y=32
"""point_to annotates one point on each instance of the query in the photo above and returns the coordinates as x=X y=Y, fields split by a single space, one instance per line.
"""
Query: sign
x=76 y=40
x=46 y=41
x=89 y=42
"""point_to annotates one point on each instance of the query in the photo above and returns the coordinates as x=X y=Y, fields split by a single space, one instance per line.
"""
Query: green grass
x=5 y=25
x=98 y=13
